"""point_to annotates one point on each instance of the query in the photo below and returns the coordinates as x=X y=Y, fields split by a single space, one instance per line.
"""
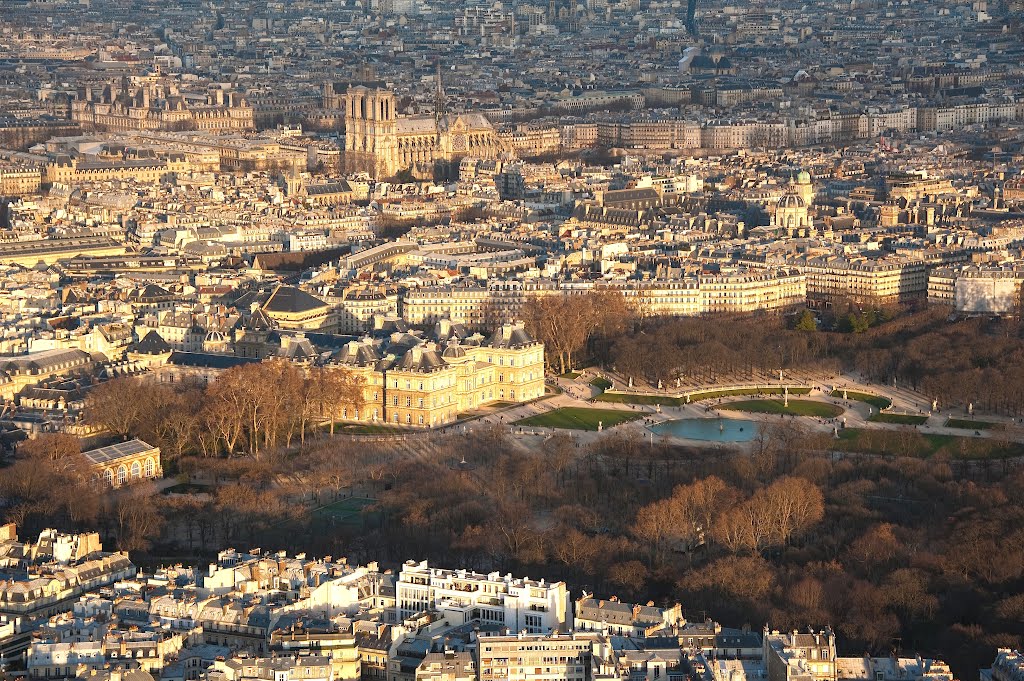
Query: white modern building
x=535 y=606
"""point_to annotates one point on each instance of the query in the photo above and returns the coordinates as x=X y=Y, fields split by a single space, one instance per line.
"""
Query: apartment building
x=623 y=619
x=862 y=280
x=771 y=291
x=447 y=666
x=21 y=180
x=64 y=568
x=738 y=291
x=527 y=657
x=355 y=307
x=463 y=304
x=301 y=668
x=810 y=656
x=977 y=289
x=1008 y=666
x=534 y=606
x=145 y=651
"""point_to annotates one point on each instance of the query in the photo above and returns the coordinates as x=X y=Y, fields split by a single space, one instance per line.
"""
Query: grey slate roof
x=289 y=299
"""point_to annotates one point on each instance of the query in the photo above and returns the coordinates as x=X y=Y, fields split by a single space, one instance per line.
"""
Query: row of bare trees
x=604 y=325
x=249 y=408
x=570 y=326
x=979 y=361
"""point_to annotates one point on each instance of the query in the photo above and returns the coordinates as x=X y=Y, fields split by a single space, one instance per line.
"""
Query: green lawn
x=601 y=383
x=796 y=407
x=187 y=488
x=630 y=398
x=344 y=510
x=876 y=401
x=967 y=424
x=579 y=418
x=624 y=398
x=713 y=394
x=922 y=445
x=903 y=419
x=572 y=375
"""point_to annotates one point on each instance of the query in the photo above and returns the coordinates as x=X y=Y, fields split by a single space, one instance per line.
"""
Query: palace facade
x=411 y=382
x=156 y=103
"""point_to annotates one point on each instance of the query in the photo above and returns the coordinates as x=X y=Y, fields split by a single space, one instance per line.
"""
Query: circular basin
x=711 y=430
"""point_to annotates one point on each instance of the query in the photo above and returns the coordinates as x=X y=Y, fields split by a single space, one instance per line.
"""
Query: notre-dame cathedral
x=381 y=143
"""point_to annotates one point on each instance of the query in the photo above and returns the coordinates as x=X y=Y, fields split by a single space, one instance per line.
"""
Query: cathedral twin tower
x=371 y=131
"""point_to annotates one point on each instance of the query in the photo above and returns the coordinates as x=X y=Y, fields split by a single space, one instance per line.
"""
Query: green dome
x=803 y=177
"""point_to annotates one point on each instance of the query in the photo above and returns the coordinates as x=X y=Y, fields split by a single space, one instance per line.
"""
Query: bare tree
x=117 y=405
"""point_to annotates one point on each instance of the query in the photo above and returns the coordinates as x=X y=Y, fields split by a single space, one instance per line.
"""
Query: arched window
x=122 y=475
x=108 y=477
x=136 y=470
x=150 y=468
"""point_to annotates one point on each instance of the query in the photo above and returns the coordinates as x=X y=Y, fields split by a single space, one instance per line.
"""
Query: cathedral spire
x=439 y=98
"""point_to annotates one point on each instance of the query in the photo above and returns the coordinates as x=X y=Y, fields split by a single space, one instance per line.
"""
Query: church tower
x=371 y=131
x=804 y=187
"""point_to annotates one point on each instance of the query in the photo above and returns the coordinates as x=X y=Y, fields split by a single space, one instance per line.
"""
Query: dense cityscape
x=544 y=340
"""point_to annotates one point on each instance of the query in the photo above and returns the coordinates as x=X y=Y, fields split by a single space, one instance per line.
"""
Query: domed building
x=217 y=342
x=791 y=214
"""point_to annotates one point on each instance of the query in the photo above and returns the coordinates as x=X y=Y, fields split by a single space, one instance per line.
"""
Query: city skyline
x=553 y=340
